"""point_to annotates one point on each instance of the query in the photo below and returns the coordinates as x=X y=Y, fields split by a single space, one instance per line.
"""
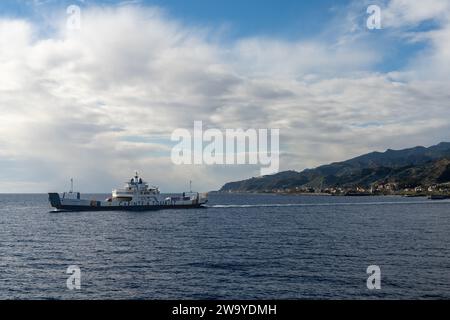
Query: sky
x=101 y=101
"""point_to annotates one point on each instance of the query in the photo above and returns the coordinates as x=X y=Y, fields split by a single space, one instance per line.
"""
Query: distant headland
x=417 y=171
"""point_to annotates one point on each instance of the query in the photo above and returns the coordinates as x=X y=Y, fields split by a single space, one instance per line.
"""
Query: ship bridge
x=134 y=188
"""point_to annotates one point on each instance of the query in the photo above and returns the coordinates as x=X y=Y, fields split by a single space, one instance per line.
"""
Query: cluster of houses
x=376 y=189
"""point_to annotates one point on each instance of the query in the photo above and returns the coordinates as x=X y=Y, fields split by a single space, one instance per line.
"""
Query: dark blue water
x=243 y=247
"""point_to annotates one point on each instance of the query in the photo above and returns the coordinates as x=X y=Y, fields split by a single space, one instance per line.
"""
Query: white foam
x=276 y=205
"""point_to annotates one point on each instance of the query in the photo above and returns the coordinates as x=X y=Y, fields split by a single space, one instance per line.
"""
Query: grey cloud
x=69 y=103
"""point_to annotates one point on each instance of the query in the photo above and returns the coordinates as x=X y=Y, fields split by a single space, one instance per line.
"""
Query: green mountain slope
x=411 y=167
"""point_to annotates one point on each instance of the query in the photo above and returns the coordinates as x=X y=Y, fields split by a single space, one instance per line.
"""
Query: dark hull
x=439 y=197
x=128 y=208
x=358 y=194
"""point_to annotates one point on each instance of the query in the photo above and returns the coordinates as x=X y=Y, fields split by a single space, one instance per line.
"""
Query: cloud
x=98 y=103
x=407 y=13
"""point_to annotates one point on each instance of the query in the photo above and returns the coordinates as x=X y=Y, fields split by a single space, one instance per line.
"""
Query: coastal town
x=436 y=191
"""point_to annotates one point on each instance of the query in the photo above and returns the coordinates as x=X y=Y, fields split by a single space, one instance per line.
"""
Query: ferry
x=439 y=197
x=137 y=195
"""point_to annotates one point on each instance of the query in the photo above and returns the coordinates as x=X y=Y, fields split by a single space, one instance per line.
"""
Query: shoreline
x=315 y=194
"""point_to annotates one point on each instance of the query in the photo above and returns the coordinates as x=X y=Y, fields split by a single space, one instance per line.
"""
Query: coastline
x=433 y=196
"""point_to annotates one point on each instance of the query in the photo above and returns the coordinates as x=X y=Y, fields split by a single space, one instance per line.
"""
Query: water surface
x=241 y=247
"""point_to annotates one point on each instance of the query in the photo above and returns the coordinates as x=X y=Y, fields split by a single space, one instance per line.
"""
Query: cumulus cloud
x=102 y=101
x=407 y=13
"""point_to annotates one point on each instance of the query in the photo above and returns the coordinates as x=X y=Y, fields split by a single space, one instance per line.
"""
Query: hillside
x=406 y=168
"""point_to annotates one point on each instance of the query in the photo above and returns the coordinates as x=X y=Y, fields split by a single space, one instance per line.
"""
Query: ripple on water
x=242 y=247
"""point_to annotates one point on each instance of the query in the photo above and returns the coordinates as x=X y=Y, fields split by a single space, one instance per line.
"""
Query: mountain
x=418 y=166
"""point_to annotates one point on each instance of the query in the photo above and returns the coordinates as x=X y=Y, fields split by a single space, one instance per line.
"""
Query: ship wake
x=328 y=204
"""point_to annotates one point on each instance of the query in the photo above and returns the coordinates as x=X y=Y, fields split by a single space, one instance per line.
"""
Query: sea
x=242 y=246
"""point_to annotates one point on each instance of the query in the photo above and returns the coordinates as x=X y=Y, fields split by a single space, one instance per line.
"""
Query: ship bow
x=55 y=200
